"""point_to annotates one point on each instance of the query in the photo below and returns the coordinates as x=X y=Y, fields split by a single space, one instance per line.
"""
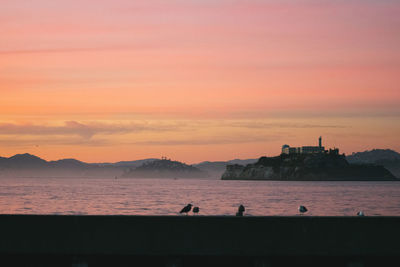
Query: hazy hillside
x=27 y=165
x=371 y=156
x=388 y=158
x=217 y=168
x=165 y=168
x=133 y=163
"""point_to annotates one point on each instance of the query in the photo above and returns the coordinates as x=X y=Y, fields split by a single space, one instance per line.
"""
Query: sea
x=127 y=196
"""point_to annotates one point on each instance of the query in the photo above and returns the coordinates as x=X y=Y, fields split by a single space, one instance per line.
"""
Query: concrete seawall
x=244 y=241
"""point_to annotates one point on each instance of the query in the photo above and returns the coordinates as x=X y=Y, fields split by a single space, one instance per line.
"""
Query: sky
x=195 y=80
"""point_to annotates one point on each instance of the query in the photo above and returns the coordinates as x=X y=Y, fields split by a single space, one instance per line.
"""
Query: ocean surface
x=102 y=196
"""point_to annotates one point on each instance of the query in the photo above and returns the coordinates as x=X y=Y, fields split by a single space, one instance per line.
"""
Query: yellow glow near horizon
x=197 y=80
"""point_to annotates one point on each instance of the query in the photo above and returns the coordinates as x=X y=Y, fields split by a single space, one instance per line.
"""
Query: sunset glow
x=197 y=80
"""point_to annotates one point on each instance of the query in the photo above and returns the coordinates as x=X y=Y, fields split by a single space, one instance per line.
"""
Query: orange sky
x=197 y=80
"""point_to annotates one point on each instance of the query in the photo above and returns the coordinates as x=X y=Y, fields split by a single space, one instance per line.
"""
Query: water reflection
x=214 y=197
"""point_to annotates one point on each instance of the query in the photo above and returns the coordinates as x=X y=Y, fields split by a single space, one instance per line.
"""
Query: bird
x=360 y=213
x=303 y=209
x=196 y=210
x=240 y=211
x=186 y=209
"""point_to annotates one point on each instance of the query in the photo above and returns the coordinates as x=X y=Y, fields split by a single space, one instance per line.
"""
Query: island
x=164 y=168
x=308 y=163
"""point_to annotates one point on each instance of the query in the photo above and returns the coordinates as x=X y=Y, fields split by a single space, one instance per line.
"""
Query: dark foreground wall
x=30 y=240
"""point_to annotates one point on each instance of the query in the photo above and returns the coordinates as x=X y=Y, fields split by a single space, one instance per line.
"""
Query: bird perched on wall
x=360 y=213
x=240 y=211
x=196 y=210
x=186 y=209
x=303 y=209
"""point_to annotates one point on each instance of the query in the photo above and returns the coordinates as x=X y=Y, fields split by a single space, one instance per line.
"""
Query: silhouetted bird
x=360 y=213
x=303 y=209
x=196 y=210
x=240 y=211
x=186 y=209
x=241 y=208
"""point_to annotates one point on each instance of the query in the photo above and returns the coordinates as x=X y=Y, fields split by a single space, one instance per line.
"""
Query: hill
x=388 y=158
x=165 y=168
x=27 y=165
x=216 y=168
x=132 y=163
x=372 y=156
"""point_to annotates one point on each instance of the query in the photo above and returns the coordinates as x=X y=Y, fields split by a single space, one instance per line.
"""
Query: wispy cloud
x=84 y=130
x=215 y=140
x=267 y=125
x=39 y=142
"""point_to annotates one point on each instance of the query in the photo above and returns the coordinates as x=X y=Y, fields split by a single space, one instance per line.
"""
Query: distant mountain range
x=27 y=165
x=388 y=158
x=28 y=161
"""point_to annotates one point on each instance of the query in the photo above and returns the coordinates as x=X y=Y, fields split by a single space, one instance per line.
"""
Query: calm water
x=214 y=197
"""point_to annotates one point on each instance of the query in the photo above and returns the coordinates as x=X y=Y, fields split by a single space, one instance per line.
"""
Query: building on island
x=286 y=149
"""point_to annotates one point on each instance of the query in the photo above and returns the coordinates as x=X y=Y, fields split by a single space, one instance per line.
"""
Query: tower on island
x=286 y=149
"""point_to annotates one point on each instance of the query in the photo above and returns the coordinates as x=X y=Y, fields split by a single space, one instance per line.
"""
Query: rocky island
x=308 y=164
x=165 y=168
